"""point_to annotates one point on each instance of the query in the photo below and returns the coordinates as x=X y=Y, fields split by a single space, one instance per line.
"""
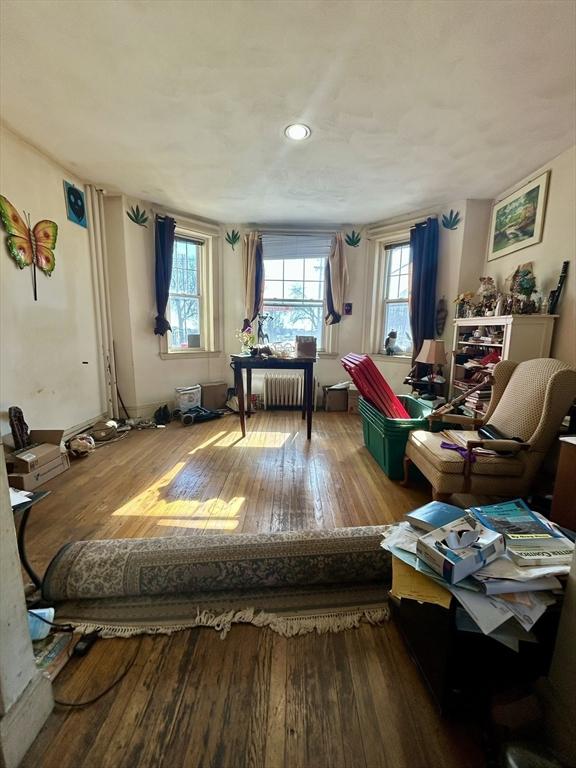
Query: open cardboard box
x=45 y=448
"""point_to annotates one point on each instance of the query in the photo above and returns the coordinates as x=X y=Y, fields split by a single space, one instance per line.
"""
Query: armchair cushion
x=427 y=444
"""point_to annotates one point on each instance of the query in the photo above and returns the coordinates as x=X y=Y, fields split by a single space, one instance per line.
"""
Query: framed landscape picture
x=518 y=220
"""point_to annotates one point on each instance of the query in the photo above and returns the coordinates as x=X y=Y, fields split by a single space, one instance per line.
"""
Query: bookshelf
x=508 y=337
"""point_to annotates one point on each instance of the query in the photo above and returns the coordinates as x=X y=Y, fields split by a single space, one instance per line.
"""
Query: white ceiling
x=411 y=103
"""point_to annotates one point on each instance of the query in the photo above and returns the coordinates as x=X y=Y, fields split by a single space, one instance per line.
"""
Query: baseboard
x=83 y=426
x=23 y=721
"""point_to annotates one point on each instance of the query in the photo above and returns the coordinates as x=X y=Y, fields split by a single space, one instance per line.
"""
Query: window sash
x=196 y=297
x=387 y=300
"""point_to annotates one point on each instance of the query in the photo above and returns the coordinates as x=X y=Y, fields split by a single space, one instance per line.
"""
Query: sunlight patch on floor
x=207 y=443
x=254 y=440
x=207 y=524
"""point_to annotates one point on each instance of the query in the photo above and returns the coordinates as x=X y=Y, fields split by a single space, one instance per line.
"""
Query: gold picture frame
x=518 y=219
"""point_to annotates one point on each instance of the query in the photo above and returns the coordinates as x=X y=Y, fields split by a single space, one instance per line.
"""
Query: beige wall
x=45 y=343
x=61 y=325
x=558 y=245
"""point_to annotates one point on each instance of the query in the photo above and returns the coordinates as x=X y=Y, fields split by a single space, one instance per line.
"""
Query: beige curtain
x=253 y=264
x=336 y=281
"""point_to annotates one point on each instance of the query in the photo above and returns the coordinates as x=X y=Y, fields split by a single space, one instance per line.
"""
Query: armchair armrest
x=508 y=446
x=469 y=421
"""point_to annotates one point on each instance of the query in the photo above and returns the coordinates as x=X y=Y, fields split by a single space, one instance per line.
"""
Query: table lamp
x=431 y=353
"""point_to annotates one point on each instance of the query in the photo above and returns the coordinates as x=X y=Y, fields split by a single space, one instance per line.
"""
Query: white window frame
x=386 y=261
x=330 y=333
x=379 y=238
x=209 y=288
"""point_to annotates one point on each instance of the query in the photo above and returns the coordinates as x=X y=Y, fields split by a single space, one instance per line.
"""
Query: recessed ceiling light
x=297 y=131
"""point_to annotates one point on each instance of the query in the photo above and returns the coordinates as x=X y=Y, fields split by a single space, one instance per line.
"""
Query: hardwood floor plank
x=255 y=699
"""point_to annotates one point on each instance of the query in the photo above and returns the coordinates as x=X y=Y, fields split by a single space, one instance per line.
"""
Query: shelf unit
x=512 y=337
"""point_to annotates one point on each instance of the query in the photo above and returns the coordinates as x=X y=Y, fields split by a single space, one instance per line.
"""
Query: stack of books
x=478 y=401
x=501 y=562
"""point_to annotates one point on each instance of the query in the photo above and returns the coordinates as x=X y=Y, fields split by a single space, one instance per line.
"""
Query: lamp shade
x=432 y=352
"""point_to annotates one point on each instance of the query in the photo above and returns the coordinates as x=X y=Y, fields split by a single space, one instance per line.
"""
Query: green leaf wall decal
x=353 y=239
x=232 y=238
x=451 y=220
x=137 y=216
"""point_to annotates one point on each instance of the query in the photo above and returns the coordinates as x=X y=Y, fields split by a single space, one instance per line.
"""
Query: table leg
x=248 y=392
x=239 y=384
x=309 y=399
x=304 y=395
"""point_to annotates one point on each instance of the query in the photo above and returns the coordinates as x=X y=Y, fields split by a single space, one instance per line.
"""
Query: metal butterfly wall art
x=29 y=246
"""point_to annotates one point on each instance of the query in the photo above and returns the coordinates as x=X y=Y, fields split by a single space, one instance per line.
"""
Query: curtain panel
x=422 y=306
x=164 y=242
x=253 y=266
x=336 y=281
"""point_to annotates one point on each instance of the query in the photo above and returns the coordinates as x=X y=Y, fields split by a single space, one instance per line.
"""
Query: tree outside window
x=293 y=298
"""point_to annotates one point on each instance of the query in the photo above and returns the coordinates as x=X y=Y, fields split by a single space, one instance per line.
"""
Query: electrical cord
x=103 y=693
x=61 y=627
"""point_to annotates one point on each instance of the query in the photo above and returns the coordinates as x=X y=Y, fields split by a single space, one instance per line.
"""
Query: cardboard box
x=306 y=346
x=335 y=399
x=35 y=457
x=44 y=449
x=353 y=396
x=454 y=560
x=214 y=395
x=30 y=480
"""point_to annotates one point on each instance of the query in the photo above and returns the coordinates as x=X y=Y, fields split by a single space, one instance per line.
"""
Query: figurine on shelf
x=464 y=304
x=488 y=293
x=390 y=343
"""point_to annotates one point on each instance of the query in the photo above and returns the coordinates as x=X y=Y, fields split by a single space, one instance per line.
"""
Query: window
x=294 y=286
x=194 y=299
x=185 y=297
x=396 y=294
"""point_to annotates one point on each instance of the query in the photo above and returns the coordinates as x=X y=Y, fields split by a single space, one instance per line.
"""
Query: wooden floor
x=255 y=699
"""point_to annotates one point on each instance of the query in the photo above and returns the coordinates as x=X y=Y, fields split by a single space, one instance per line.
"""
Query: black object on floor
x=84 y=644
x=197 y=415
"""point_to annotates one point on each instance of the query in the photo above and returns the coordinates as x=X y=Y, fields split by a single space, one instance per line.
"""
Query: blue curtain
x=164 y=239
x=424 y=252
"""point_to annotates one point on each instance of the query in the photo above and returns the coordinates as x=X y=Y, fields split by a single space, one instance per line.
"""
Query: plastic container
x=386 y=438
x=40 y=629
x=188 y=397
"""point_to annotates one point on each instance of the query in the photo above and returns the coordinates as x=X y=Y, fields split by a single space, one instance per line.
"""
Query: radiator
x=285 y=391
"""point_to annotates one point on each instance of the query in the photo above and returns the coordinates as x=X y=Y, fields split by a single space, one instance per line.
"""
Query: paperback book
x=530 y=539
x=433 y=515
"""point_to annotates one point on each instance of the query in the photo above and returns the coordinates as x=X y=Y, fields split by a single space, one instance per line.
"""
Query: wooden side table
x=563 y=509
x=248 y=363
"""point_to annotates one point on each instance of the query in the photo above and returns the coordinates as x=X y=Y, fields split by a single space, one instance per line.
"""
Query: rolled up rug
x=282 y=580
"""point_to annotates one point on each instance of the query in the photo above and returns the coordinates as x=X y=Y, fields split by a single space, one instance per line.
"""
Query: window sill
x=188 y=354
x=392 y=358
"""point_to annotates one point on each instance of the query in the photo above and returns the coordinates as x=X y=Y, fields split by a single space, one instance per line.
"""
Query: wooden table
x=249 y=363
x=564 y=499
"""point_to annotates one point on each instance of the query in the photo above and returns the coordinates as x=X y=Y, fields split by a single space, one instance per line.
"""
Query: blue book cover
x=433 y=515
x=515 y=520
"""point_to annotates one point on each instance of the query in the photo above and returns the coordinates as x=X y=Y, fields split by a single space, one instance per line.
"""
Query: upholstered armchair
x=528 y=402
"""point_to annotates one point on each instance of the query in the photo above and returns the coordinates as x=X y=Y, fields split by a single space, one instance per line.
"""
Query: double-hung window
x=193 y=309
x=294 y=267
x=396 y=294
x=184 y=310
